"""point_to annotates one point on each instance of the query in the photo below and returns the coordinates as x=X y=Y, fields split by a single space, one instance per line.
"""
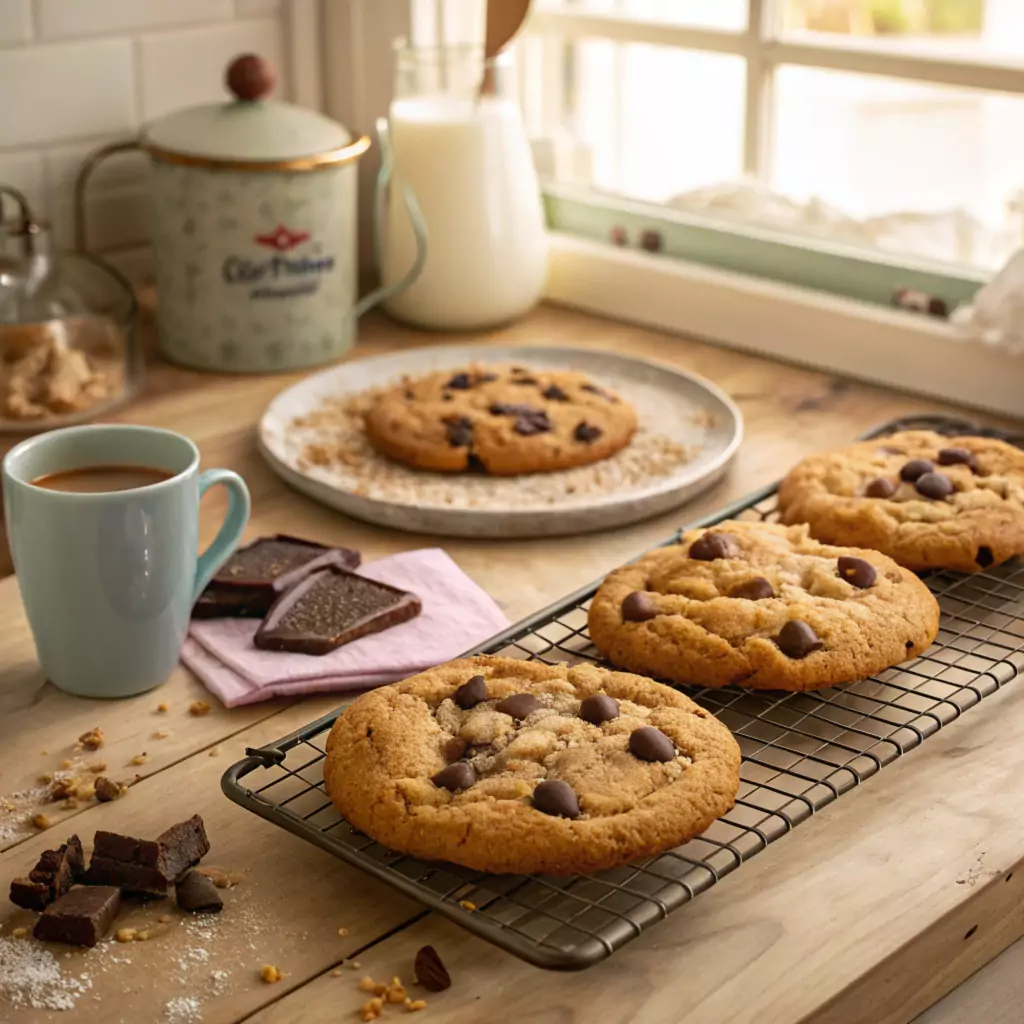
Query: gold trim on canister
x=316 y=162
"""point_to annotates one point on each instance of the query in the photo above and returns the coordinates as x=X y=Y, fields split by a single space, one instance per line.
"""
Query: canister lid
x=251 y=132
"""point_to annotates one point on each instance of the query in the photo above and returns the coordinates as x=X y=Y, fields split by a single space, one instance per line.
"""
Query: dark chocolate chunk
x=457 y=776
x=512 y=409
x=409 y=395
x=80 y=917
x=595 y=390
x=554 y=797
x=454 y=748
x=598 y=708
x=531 y=423
x=586 y=432
x=459 y=431
x=651 y=240
x=428 y=971
x=196 y=894
x=650 y=744
x=460 y=382
x=331 y=608
x=857 y=572
x=553 y=393
x=714 y=545
x=447 y=397
x=519 y=705
x=796 y=639
x=129 y=877
x=182 y=846
x=915 y=468
x=524 y=380
x=474 y=464
x=486 y=378
x=934 y=485
x=755 y=589
x=54 y=874
x=958 y=457
x=984 y=557
x=880 y=487
x=471 y=693
x=221 y=603
x=638 y=607
x=30 y=895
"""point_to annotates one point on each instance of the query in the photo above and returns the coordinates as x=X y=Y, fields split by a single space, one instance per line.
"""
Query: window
x=848 y=136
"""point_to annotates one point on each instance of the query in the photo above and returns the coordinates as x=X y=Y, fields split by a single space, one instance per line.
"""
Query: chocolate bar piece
x=252 y=579
x=80 y=917
x=182 y=847
x=133 y=878
x=330 y=608
x=54 y=874
x=198 y=895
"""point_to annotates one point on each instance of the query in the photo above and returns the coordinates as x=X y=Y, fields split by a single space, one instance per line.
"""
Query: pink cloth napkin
x=456 y=615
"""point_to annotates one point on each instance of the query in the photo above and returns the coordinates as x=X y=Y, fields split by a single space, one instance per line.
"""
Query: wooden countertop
x=870 y=912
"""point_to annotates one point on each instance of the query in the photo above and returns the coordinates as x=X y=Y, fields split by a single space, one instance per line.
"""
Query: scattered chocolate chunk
x=525 y=380
x=474 y=464
x=857 y=572
x=107 y=790
x=796 y=639
x=619 y=235
x=598 y=708
x=30 y=895
x=454 y=748
x=880 y=487
x=429 y=972
x=714 y=545
x=512 y=409
x=586 y=432
x=984 y=557
x=457 y=776
x=519 y=705
x=650 y=744
x=528 y=424
x=460 y=382
x=196 y=894
x=447 y=397
x=471 y=693
x=486 y=378
x=56 y=871
x=459 y=431
x=958 y=457
x=332 y=608
x=651 y=240
x=409 y=395
x=130 y=878
x=756 y=589
x=553 y=393
x=554 y=797
x=219 y=603
x=934 y=485
x=595 y=390
x=80 y=917
x=916 y=468
x=638 y=607
x=182 y=846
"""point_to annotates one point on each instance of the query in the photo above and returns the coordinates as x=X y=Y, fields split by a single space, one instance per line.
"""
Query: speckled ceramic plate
x=689 y=431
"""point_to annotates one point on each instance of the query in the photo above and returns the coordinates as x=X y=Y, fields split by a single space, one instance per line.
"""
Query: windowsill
x=902 y=350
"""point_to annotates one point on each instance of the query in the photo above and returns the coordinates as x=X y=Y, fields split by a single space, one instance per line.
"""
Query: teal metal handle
x=231 y=529
x=412 y=207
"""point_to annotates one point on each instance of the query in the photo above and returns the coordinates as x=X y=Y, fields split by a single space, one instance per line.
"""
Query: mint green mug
x=109 y=576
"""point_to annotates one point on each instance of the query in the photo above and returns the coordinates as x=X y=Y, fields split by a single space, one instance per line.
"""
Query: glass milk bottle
x=466 y=160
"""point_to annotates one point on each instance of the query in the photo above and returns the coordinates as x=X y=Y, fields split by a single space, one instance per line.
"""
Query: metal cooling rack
x=800 y=752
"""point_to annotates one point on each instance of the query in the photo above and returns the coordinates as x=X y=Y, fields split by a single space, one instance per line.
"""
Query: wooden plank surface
x=858 y=906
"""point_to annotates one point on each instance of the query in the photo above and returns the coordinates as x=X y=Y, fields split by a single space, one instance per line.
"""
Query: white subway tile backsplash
x=15 y=22
x=180 y=69
x=78 y=18
x=121 y=171
x=66 y=91
x=25 y=173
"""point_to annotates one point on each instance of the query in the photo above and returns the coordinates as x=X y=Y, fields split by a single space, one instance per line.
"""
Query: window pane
x=872 y=146
x=728 y=15
x=969 y=28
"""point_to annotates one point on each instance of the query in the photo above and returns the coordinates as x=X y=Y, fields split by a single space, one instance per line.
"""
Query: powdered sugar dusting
x=182 y=1010
x=30 y=976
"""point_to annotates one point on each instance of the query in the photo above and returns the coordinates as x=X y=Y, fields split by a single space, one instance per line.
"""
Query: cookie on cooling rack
x=763 y=607
x=925 y=500
x=505 y=765
x=502 y=420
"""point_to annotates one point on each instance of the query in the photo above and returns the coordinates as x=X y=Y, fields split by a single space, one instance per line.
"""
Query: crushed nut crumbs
x=163 y=707
x=373 y=1008
x=343 y=931
x=198 y=708
x=270 y=974
x=65 y=764
x=93 y=739
x=97 y=766
x=467 y=905
x=125 y=935
x=412 y=1005
x=41 y=821
x=336 y=973
x=19 y=933
x=85 y=790
x=395 y=992
x=139 y=758
x=353 y=964
x=161 y=734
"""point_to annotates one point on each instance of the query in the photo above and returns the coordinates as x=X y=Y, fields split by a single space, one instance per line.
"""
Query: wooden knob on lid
x=250 y=77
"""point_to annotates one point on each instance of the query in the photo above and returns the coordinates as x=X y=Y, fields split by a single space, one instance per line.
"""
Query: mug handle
x=231 y=529
x=419 y=225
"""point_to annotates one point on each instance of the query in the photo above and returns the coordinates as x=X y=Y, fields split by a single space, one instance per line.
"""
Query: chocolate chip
x=429 y=972
x=526 y=380
x=446 y=397
x=471 y=693
x=554 y=797
x=880 y=487
x=460 y=775
x=984 y=557
x=454 y=748
x=934 y=485
x=714 y=545
x=857 y=572
x=638 y=607
x=475 y=464
x=756 y=589
x=486 y=378
x=598 y=708
x=915 y=468
x=890 y=449
x=651 y=240
x=586 y=432
x=459 y=431
x=510 y=409
x=595 y=390
x=519 y=705
x=958 y=457
x=531 y=423
x=409 y=395
x=796 y=639
x=650 y=744
x=461 y=382
x=553 y=393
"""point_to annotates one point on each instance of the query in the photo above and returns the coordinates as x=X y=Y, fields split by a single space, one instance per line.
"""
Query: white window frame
x=350 y=79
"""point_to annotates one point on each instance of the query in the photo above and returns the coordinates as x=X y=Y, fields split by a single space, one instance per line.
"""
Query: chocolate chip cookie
x=502 y=420
x=506 y=765
x=925 y=500
x=763 y=607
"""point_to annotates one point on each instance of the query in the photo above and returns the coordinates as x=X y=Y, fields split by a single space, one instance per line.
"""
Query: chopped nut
x=367 y=984
x=138 y=759
x=93 y=739
x=467 y=905
x=65 y=764
x=165 y=919
x=85 y=791
x=9 y=807
x=106 y=790
x=395 y=992
x=270 y=974
x=336 y=973
x=69 y=805
x=41 y=821
x=61 y=789
x=198 y=708
x=354 y=964
x=343 y=931
x=46 y=778
x=98 y=766
x=163 y=707
x=143 y=935
x=161 y=734
x=125 y=934
x=412 y=1005
x=214 y=751
x=221 y=878
x=373 y=1008
x=19 y=933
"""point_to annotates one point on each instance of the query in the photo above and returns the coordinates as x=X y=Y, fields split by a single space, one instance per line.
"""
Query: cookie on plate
x=925 y=500
x=502 y=420
x=506 y=765
x=764 y=607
